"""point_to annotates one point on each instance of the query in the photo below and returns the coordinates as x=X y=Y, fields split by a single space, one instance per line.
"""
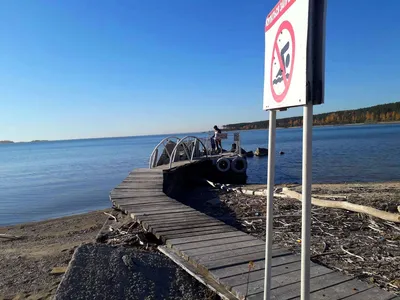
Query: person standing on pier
x=217 y=139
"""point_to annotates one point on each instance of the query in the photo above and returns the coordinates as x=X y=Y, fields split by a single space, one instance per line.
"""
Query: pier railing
x=166 y=143
x=173 y=149
x=188 y=148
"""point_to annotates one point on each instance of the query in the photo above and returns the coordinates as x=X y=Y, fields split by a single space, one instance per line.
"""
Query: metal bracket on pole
x=269 y=208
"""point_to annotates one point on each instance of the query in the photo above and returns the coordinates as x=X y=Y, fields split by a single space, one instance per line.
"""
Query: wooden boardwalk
x=218 y=255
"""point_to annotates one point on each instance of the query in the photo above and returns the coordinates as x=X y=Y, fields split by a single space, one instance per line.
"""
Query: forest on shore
x=375 y=114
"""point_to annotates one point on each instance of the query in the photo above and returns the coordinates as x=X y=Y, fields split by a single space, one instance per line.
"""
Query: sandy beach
x=26 y=263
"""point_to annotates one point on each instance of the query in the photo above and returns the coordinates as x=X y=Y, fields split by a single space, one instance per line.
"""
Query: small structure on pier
x=226 y=167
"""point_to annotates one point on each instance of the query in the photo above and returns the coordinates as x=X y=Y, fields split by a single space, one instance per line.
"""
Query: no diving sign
x=283 y=55
x=287 y=46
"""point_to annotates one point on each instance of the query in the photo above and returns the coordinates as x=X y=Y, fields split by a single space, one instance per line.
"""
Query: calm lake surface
x=52 y=179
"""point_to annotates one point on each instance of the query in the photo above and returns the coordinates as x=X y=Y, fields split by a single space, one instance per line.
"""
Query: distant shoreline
x=382 y=113
x=5 y=142
x=12 y=142
x=315 y=126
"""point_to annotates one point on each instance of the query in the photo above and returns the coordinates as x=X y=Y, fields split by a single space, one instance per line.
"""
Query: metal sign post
x=270 y=199
x=294 y=76
x=306 y=201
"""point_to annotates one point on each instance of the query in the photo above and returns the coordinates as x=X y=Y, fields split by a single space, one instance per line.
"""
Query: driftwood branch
x=287 y=193
x=352 y=254
x=4 y=236
x=111 y=216
x=346 y=205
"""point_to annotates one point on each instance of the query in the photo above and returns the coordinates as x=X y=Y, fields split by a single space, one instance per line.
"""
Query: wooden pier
x=218 y=255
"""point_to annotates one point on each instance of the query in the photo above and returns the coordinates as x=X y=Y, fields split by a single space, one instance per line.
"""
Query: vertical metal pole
x=270 y=199
x=306 y=201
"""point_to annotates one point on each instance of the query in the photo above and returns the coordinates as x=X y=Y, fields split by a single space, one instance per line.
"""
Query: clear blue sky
x=75 y=69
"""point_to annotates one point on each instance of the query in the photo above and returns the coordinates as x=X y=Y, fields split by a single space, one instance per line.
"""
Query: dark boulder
x=261 y=152
x=249 y=154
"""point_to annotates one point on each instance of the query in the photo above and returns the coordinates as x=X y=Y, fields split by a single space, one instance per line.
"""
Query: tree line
x=375 y=114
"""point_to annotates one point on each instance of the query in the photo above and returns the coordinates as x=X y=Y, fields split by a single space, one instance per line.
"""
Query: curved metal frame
x=173 y=155
x=152 y=156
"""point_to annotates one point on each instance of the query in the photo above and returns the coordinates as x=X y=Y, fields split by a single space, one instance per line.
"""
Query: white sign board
x=287 y=47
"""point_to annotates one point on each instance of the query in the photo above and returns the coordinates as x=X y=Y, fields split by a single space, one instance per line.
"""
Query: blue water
x=51 y=179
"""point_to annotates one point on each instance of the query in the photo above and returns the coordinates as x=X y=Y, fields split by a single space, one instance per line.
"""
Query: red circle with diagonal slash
x=284 y=26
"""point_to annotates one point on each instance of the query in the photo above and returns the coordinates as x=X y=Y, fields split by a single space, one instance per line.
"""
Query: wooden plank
x=133 y=190
x=201 y=221
x=141 y=201
x=137 y=208
x=155 y=209
x=138 y=195
x=187 y=234
x=149 y=213
x=149 y=172
x=193 y=231
x=216 y=245
x=258 y=265
x=180 y=214
x=205 y=238
x=142 y=183
x=241 y=242
x=231 y=261
x=146 y=175
x=259 y=274
x=186 y=225
x=185 y=230
x=150 y=206
x=138 y=178
x=145 y=170
x=145 y=181
x=182 y=217
x=278 y=281
x=134 y=184
x=149 y=225
x=138 y=186
x=293 y=290
x=143 y=198
x=341 y=290
x=181 y=220
x=372 y=294
x=205 y=258
x=133 y=207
